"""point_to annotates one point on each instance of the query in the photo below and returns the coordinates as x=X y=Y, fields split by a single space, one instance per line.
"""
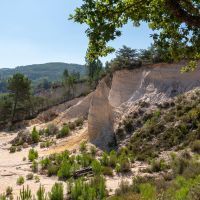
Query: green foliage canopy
x=126 y=57
x=94 y=70
x=176 y=24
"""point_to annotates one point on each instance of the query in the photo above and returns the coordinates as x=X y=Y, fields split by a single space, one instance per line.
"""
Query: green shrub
x=124 y=165
x=60 y=157
x=136 y=182
x=35 y=135
x=179 y=189
x=12 y=149
x=83 y=146
x=41 y=131
x=124 y=188
x=194 y=192
x=113 y=159
x=51 y=130
x=65 y=170
x=117 y=168
x=37 y=179
x=98 y=182
x=57 y=192
x=20 y=180
x=196 y=146
x=107 y=171
x=179 y=165
x=79 y=122
x=3 y=197
x=186 y=166
x=147 y=191
x=34 y=166
x=29 y=176
x=52 y=170
x=64 y=132
x=96 y=167
x=158 y=165
x=192 y=169
x=32 y=155
x=94 y=189
x=25 y=194
x=46 y=144
x=127 y=196
x=77 y=188
x=186 y=155
x=19 y=148
x=105 y=159
x=93 y=150
x=41 y=193
x=9 y=191
x=45 y=163
x=42 y=145
x=72 y=125
x=120 y=133
x=85 y=159
x=128 y=125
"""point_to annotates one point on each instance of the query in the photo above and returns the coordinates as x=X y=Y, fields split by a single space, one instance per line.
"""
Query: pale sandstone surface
x=100 y=124
x=153 y=84
x=80 y=109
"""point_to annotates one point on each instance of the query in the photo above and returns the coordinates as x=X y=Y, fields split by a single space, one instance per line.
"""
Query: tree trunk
x=14 y=109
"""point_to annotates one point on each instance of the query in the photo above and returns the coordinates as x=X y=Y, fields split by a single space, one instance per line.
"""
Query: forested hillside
x=52 y=71
x=38 y=72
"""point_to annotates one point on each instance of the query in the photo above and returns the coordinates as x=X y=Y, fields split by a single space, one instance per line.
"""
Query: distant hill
x=38 y=72
x=49 y=71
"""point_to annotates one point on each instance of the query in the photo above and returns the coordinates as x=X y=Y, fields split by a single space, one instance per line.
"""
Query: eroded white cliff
x=117 y=96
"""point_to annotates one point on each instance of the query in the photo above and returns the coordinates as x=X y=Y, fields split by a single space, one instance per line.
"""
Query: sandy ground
x=12 y=165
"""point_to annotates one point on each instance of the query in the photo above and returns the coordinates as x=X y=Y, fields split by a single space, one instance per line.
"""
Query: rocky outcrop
x=100 y=117
x=117 y=96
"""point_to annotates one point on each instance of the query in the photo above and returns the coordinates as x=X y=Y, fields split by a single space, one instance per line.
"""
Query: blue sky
x=38 y=31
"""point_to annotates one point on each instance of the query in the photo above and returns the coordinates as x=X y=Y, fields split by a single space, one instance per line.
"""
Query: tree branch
x=190 y=7
x=183 y=15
